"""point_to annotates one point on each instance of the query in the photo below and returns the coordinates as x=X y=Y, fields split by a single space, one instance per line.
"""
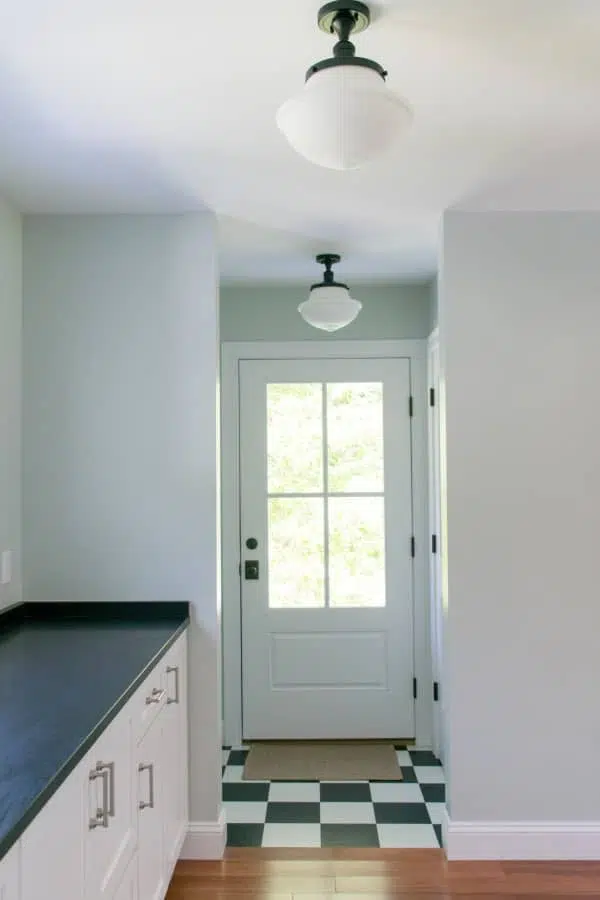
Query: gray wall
x=519 y=325
x=268 y=312
x=119 y=428
x=10 y=396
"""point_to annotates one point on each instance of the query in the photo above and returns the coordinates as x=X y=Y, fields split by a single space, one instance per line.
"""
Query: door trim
x=231 y=354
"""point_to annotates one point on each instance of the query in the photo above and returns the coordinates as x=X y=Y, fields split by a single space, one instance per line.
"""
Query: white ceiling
x=168 y=105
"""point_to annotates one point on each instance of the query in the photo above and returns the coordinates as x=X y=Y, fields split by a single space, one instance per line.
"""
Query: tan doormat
x=322 y=761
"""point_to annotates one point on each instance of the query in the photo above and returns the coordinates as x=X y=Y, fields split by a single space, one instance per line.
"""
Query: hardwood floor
x=342 y=874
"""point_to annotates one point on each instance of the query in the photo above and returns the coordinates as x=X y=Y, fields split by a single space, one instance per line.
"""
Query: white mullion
x=317 y=495
x=325 y=493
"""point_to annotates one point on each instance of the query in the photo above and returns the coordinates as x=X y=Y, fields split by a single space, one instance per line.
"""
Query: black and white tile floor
x=336 y=813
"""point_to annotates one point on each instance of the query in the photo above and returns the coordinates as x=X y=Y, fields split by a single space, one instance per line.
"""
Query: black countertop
x=66 y=669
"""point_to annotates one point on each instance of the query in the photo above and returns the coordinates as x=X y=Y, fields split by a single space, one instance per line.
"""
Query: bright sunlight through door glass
x=296 y=556
x=355 y=437
x=352 y=527
x=295 y=438
x=356 y=551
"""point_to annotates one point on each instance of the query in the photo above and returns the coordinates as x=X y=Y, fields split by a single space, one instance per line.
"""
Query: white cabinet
x=9 y=875
x=175 y=743
x=151 y=855
x=52 y=846
x=113 y=830
x=111 y=833
x=128 y=889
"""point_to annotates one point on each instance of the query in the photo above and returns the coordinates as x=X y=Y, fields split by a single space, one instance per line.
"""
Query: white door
x=435 y=574
x=326 y=543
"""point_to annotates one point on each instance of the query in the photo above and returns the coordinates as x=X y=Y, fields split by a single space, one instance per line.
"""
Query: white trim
x=522 y=840
x=231 y=354
x=205 y=840
x=434 y=527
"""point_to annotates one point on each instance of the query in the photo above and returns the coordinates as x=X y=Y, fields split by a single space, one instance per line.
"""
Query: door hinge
x=414 y=688
x=240 y=570
x=432 y=396
x=410 y=406
x=436 y=691
x=412 y=546
x=434 y=543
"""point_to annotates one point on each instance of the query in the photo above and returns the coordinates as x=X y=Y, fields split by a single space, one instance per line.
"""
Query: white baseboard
x=205 y=840
x=521 y=840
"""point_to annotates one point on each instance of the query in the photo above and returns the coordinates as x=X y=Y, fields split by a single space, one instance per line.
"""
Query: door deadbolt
x=251 y=543
x=251 y=570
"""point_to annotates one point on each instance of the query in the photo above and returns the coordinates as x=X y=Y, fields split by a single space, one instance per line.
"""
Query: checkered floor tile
x=336 y=813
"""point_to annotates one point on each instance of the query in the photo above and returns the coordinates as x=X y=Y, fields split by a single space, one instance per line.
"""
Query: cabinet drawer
x=173 y=671
x=147 y=702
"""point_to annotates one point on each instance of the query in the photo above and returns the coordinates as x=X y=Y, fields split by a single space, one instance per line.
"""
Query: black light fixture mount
x=344 y=18
x=328 y=260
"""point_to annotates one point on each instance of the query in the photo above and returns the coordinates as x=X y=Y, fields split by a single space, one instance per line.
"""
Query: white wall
x=254 y=312
x=10 y=396
x=519 y=326
x=119 y=428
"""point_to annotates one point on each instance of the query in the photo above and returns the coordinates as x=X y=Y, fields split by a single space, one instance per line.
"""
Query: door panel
x=326 y=525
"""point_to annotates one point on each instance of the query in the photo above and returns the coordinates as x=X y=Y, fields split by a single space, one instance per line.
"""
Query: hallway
x=404 y=814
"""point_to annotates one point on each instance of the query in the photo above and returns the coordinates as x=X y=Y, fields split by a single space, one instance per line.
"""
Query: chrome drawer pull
x=175 y=670
x=156 y=696
x=111 y=795
x=101 y=818
x=148 y=804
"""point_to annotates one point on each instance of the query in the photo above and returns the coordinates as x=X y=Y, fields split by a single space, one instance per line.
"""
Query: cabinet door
x=52 y=846
x=175 y=738
x=151 y=854
x=128 y=889
x=10 y=888
x=110 y=841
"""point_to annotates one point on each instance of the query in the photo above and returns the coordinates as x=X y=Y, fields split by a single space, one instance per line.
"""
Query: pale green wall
x=254 y=312
x=11 y=312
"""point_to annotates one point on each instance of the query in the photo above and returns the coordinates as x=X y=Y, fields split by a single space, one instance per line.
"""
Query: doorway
x=276 y=629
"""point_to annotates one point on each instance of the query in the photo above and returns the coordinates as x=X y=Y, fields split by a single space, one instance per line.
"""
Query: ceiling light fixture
x=329 y=305
x=345 y=115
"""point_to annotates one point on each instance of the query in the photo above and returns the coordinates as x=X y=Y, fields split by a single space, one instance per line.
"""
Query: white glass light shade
x=329 y=307
x=343 y=117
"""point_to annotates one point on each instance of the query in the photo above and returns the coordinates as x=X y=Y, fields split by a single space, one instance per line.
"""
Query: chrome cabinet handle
x=148 y=804
x=175 y=670
x=110 y=767
x=156 y=696
x=101 y=818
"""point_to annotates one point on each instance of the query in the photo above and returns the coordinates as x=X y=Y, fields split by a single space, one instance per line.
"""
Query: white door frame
x=433 y=488
x=231 y=354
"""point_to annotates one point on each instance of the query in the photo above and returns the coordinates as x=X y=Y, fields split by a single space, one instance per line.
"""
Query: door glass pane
x=356 y=551
x=296 y=557
x=355 y=437
x=295 y=438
